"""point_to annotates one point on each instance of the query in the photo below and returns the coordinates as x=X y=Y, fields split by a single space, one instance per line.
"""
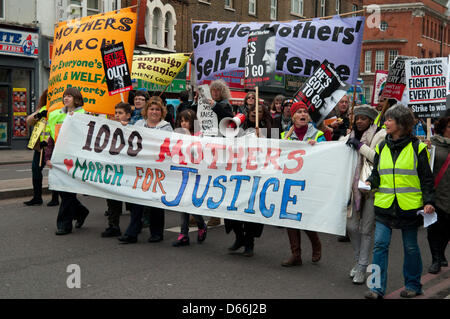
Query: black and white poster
x=426 y=82
x=117 y=72
x=321 y=92
x=260 y=58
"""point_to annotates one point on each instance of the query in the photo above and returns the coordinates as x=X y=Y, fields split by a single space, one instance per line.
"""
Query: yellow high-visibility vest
x=399 y=180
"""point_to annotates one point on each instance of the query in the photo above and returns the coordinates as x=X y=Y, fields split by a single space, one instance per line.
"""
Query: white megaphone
x=229 y=127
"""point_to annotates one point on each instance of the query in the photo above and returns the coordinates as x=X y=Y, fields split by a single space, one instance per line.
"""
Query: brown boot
x=295 y=241
x=316 y=245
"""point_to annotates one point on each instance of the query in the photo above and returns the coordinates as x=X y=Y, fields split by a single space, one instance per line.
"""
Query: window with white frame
x=228 y=3
x=93 y=7
x=323 y=8
x=391 y=57
x=368 y=61
x=82 y=8
x=2 y=9
x=252 y=7
x=338 y=6
x=379 y=60
x=160 y=22
x=156 y=29
x=297 y=7
x=354 y=8
x=273 y=9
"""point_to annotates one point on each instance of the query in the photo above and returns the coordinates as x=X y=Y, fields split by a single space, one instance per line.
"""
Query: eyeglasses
x=251 y=97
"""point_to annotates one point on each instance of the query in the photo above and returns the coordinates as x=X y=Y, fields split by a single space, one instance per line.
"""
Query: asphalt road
x=34 y=262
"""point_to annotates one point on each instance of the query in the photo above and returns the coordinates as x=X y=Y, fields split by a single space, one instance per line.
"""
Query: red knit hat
x=296 y=106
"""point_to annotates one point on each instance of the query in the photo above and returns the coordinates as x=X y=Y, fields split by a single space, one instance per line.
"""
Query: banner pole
x=353 y=107
x=428 y=128
x=257 y=108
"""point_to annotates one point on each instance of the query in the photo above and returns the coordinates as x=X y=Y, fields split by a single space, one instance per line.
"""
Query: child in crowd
x=122 y=114
x=185 y=124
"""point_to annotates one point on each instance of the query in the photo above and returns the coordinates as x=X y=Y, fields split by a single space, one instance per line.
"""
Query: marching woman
x=185 y=124
x=246 y=232
x=302 y=130
x=364 y=137
x=153 y=114
x=70 y=208
x=403 y=184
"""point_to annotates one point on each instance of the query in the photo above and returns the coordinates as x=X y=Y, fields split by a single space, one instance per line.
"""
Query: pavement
x=21 y=187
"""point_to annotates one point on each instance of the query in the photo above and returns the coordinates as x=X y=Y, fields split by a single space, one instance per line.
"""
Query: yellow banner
x=77 y=59
x=37 y=131
x=158 y=68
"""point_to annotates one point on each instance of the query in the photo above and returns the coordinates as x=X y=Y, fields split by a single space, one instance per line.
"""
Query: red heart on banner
x=69 y=164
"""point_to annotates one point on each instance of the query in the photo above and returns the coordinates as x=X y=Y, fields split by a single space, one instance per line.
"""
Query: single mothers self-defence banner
x=77 y=58
x=301 y=46
x=270 y=181
x=426 y=81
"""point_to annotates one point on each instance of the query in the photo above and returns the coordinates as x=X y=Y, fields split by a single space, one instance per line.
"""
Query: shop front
x=18 y=83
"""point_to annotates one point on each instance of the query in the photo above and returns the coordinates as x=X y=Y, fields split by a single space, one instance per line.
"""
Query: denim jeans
x=412 y=263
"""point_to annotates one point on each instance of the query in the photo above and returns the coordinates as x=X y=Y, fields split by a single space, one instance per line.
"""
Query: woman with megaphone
x=246 y=232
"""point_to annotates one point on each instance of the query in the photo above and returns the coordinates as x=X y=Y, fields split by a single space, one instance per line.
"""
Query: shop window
x=21 y=80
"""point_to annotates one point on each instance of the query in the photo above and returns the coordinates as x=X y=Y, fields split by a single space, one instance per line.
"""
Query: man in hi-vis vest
x=403 y=185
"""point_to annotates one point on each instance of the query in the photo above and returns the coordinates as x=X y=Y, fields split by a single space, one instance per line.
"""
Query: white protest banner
x=270 y=181
x=426 y=82
x=301 y=46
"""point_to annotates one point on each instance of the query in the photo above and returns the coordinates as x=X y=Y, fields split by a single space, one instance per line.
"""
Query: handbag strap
x=442 y=171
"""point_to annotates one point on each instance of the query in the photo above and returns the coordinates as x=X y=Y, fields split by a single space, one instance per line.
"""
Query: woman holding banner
x=403 y=182
x=361 y=219
x=302 y=130
x=70 y=208
x=153 y=115
x=246 y=232
x=38 y=165
x=220 y=105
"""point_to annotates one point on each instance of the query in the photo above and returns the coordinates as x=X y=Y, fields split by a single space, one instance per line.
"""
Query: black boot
x=37 y=193
x=238 y=243
x=436 y=258
x=249 y=244
x=54 y=201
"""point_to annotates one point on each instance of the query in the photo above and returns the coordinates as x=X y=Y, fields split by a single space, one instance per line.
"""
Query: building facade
x=418 y=29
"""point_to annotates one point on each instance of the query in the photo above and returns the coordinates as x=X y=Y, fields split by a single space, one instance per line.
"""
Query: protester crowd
x=392 y=162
